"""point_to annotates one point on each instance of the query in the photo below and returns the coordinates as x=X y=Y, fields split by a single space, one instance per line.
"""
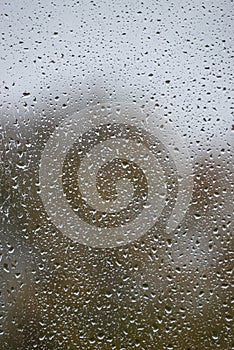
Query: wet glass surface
x=116 y=175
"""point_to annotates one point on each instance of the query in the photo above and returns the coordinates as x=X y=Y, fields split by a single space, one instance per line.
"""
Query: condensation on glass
x=116 y=174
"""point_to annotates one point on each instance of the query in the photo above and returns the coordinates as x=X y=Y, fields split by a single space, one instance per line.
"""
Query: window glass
x=116 y=174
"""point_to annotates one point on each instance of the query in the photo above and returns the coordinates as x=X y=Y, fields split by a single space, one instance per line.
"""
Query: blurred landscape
x=163 y=291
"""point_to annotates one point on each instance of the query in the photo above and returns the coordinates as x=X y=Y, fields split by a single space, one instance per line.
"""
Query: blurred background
x=162 y=291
